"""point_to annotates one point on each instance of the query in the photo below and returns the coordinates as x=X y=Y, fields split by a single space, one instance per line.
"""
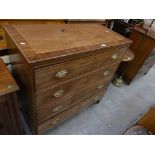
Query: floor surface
x=117 y=111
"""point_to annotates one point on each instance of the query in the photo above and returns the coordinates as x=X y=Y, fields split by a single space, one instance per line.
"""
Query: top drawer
x=55 y=74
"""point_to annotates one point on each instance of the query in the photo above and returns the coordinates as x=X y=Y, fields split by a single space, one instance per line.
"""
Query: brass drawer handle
x=59 y=93
x=114 y=56
x=56 y=121
x=57 y=108
x=61 y=74
x=100 y=86
x=106 y=73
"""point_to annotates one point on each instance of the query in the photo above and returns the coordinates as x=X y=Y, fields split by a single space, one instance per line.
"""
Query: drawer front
x=43 y=127
x=55 y=74
x=95 y=98
x=75 y=89
x=57 y=119
x=48 y=112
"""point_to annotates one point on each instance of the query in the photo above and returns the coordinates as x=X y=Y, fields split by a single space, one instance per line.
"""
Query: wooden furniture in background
x=143 y=48
x=118 y=80
x=148 y=120
x=120 y=27
x=9 y=108
x=3 y=22
x=63 y=68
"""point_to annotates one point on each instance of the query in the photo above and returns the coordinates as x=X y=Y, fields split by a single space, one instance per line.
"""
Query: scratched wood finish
x=70 y=112
x=85 y=50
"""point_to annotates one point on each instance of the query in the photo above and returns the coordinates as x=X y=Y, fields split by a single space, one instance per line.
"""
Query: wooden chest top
x=51 y=41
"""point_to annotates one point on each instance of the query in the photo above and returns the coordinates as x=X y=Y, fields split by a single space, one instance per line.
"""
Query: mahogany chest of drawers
x=10 y=123
x=63 y=68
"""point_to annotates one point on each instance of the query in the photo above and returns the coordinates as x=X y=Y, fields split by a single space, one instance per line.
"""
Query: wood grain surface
x=148 y=120
x=76 y=88
x=7 y=82
x=84 y=56
x=9 y=107
x=142 y=48
x=3 y=44
x=46 y=76
x=59 y=40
